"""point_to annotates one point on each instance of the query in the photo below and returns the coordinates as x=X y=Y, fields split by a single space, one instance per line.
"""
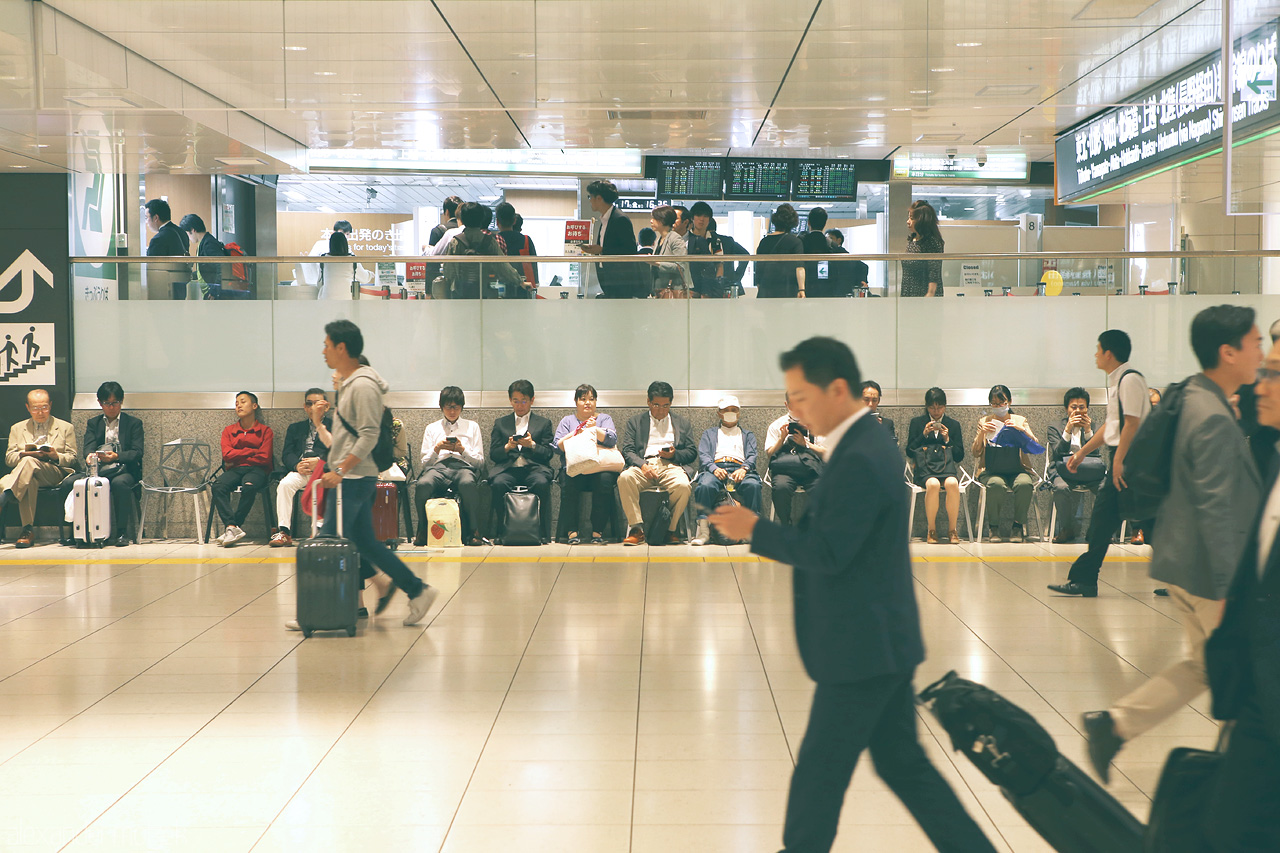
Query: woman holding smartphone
x=936 y=448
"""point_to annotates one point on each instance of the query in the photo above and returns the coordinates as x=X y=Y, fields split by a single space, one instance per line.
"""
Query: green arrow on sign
x=1257 y=83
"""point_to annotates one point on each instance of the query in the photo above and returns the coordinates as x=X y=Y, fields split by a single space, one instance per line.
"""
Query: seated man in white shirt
x=796 y=457
x=1065 y=438
x=306 y=445
x=728 y=456
x=452 y=455
x=659 y=450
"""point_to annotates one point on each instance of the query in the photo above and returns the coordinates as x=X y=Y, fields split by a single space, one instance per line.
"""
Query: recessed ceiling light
x=874 y=98
x=325 y=73
x=294 y=47
x=902 y=109
x=968 y=44
x=41 y=145
x=18 y=166
x=941 y=70
x=921 y=91
x=875 y=114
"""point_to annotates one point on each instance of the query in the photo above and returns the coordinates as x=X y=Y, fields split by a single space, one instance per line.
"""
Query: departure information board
x=689 y=177
x=757 y=178
x=825 y=180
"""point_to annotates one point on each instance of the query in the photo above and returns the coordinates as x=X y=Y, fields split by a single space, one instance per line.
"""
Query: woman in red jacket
x=246 y=463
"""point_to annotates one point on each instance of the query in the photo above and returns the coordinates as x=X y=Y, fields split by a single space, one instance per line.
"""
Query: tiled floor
x=556 y=699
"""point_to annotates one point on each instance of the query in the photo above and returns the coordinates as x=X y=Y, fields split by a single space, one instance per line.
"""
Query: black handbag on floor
x=523 y=512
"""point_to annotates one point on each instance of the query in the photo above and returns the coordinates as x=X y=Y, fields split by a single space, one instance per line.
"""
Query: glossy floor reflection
x=556 y=699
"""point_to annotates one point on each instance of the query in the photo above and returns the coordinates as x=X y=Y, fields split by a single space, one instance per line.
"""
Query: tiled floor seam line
x=422 y=633
x=755 y=639
x=635 y=755
x=96 y=630
x=207 y=722
x=480 y=756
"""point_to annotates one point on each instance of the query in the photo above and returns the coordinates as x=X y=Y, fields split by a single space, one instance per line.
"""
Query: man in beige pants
x=41 y=452
x=659 y=449
x=1202 y=526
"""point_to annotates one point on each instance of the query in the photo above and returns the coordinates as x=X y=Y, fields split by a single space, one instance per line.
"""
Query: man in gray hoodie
x=355 y=431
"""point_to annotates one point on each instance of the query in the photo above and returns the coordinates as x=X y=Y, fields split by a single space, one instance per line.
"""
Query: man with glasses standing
x=1202 y=526
x=42 y=452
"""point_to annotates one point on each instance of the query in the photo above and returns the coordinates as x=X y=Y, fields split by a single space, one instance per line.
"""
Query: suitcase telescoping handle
x=315 y=509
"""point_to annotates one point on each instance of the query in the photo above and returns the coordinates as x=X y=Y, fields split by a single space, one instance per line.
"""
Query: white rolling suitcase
x=91 y=511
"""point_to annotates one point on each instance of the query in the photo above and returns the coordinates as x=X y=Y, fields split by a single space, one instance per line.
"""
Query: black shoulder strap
x=345 y=423
x=1119 y=401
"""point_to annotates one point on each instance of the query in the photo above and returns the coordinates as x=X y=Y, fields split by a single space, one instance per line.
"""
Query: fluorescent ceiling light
x=325 y=73
x=324 y=208
x=240 y=161
x=968 y=44
x=573 y=161
x=941 y=70
x=294 y=47
x=921 y=91
x=294 y=195
x=102 y=102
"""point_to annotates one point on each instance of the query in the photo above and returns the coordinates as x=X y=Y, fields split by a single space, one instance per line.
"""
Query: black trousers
x=251 y=480
x=536 y=478
x=436 y=481
x=879 y=715
x=1243 y=812
x=1103 y=525
x=786 y=474
x=603 y=486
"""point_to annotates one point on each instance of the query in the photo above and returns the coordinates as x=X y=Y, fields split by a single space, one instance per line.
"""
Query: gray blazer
x=672 y=274
x=1214 y=493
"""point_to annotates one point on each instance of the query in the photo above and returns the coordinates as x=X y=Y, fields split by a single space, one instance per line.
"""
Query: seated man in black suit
x=520 y=451
x=116 y=437
x=857 y=624
x=1065 y=438
x=306 y=445
x=871 y=394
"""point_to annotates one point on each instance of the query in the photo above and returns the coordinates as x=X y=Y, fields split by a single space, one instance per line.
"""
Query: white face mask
x=730 y=419
x=1000 y=412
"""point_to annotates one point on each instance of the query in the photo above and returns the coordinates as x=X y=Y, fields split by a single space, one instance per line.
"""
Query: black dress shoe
x=362 y=613
x=1104 y=743
x=1073 y=588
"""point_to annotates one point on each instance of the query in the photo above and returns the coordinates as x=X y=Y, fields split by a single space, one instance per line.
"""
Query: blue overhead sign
x=1176 y=120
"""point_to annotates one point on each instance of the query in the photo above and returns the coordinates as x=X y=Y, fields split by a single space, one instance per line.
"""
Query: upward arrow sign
x=29 y=266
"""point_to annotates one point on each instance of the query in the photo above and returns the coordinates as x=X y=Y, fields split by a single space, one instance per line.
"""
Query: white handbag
x=584 y=455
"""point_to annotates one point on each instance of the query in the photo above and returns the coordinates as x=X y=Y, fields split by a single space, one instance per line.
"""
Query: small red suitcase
x=386 y=518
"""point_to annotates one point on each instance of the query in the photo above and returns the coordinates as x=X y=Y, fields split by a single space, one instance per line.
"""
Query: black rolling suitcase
x=328 y=579
x=1060 y=801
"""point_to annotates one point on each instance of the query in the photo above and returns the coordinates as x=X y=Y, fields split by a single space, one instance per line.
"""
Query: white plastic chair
x=982 y=507
x=963 y=479
x=768 y=481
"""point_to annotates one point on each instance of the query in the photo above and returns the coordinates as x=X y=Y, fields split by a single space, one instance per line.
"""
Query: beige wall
x=297 y=232
x=543 y=203
x=1208 y=229
x=185 y=194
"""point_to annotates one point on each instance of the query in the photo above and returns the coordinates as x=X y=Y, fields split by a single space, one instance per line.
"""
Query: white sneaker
x=232 y=536
x=292 y=625
x=419 y=606
x=222 y=540
x=703 y=535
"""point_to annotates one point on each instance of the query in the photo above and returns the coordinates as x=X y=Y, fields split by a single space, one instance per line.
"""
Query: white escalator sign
x=28 y=268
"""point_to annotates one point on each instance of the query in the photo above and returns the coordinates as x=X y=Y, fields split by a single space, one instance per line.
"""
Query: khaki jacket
x=62 y=438
x=979 y=446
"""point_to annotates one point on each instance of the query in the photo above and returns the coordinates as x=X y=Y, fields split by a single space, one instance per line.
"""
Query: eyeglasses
x=1266 y=375
x=43 y=408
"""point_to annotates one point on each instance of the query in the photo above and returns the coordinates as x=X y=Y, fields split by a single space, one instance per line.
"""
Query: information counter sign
x=1171 y=123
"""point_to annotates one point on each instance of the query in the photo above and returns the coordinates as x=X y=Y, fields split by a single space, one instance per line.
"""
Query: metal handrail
x=608 y=259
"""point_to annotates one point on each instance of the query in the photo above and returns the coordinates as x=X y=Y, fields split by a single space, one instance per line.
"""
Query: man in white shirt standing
x=1128 y=402
x=728 y=457
x=658 y=447
x=452 y=455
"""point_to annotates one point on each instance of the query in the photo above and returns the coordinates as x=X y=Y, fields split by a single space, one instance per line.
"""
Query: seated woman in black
x=936 y=449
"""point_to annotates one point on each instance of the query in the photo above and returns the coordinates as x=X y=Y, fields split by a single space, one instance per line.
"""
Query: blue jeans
x=357 y=525
x=708 y=489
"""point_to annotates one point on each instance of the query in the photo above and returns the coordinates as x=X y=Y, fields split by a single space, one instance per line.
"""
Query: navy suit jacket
x=131 y=440
x=855 y=603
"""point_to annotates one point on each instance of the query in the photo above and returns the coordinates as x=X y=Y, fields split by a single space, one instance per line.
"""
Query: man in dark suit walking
x=857 y=625
x=117 y=438
x=520 y=451
x=1243 y=663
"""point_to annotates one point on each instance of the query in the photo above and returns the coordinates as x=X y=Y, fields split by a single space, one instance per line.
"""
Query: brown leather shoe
x=673 y=538
x=26 y=539
x=281 y=540
x=635 y=537
x=954 y=538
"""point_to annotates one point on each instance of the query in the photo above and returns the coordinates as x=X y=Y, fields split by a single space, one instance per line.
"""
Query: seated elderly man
x=659 y=450
x=42 y=452
x=728 y=457
x=1068 y=436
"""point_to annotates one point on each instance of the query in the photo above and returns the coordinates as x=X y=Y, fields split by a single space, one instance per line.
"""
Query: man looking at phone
x=520 y=450
x=306 y=445
x=452 y=453
x=795 y=460
x=659 y=450
x=42 y=452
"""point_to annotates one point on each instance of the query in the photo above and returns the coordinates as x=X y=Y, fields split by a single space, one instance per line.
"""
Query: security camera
x=951 y=155
x=371 y=193
x=982 y=160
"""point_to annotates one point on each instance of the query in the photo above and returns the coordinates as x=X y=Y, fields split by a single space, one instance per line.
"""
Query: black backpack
x=1149 y=463
x=383 y=454
x=1002 y=740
